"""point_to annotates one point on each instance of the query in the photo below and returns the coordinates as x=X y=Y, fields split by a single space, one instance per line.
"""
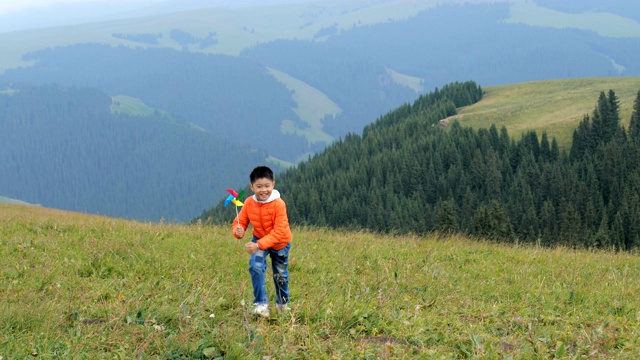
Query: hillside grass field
x=128 y=105
x=311 y=107
x=85 y=286
x=554 y=106
x=605 y=24
x=6 y=200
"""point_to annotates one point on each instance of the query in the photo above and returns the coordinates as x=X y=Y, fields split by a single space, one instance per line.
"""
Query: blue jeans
x=279 y=265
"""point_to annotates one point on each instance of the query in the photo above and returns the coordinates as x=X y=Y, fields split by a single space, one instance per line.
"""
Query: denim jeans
x=279 y=265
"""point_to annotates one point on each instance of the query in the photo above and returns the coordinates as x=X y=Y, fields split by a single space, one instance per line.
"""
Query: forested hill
x=64 y=148
x=405 y=174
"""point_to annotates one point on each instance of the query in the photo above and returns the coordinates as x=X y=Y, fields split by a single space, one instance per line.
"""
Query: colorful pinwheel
x=234 y=198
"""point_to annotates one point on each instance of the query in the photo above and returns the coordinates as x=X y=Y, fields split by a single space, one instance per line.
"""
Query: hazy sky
x=7 y=6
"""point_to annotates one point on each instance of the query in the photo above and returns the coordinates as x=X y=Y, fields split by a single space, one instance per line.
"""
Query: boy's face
x=262 y=188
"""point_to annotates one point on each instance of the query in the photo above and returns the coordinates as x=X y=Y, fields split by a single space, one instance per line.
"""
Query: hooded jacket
x=269 y=220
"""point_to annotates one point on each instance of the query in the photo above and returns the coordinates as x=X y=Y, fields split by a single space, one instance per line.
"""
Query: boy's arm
x=281 y=233
x=241 y=220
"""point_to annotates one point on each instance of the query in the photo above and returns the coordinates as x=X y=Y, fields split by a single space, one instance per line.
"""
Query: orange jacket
x=269 y=220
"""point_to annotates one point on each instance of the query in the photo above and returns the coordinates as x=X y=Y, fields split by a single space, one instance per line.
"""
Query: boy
x=267 y=212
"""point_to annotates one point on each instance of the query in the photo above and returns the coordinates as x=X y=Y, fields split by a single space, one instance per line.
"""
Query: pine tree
x=613 y=115
x=500 y=222
x=529 y=225
x=634 y=123
x=446 y=218
x=545 y=148
x=493 y=177
x=548 y=220
x=555 y=150
x=582 y=139
x=602 y=239
x=570 y=229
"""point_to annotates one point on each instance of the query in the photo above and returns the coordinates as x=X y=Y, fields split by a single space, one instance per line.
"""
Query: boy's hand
x=239 y=231
x=251 y=247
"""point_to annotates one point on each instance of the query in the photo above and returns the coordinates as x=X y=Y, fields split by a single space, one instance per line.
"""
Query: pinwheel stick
x=233 y=197
x=237 y=216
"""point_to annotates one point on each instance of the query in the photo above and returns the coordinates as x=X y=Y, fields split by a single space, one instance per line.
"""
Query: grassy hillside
x=604 y=23
x=311 y=106
x=6 y=200
x=131 y=106
x=554 y=106
x=127 y=105
x=96 y=287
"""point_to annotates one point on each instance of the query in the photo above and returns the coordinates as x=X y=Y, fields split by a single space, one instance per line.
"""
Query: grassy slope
x=554 y=106
x=6 y=200
x=412 y=82
x=127 y=105
x=312 y=107
x=96 y=287
x=603 y=23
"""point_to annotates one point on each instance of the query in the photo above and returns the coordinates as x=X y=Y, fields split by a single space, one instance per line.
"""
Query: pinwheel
x=235 y=198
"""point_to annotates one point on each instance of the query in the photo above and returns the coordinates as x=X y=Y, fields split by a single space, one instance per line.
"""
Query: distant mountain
x=286 y=80
x=68 y=148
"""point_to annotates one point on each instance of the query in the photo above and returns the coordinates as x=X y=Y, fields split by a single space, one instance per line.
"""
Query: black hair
x=261 y=172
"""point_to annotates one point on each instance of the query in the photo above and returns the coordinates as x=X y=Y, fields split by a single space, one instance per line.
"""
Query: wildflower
x=212 y=315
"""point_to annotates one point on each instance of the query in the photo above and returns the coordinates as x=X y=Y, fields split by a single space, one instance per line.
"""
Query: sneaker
x=261 y=309
x=282 y=308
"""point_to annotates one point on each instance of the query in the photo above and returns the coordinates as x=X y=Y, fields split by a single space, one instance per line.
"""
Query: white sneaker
x=261 y=309
x=282 y=308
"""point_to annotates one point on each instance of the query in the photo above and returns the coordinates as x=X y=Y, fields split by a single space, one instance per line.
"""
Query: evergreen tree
x=545 y=148
x=618 y=232
x=582 y=140
x=570 y=233
x=446 y=218
x=548 y=221
x=492 y=222
x=634 y=123
x=602 y=238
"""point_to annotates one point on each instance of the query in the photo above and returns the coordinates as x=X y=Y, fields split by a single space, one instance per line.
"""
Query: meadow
x=78 y=286
x=554 y=106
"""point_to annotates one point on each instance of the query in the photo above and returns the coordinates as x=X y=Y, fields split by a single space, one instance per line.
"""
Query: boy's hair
x=261 y=172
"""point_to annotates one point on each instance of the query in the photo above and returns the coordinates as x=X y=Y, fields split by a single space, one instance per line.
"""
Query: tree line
x=407 y=175
x=63 y=148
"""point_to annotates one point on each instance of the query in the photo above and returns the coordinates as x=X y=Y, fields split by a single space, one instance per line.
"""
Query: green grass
x=6 y=200
x=554 y=106
x=80 y=286
x=312 y=107
x=8 y=91
x=279 y=162
x=127 y=105
x=605 y=24
x=412 y=82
